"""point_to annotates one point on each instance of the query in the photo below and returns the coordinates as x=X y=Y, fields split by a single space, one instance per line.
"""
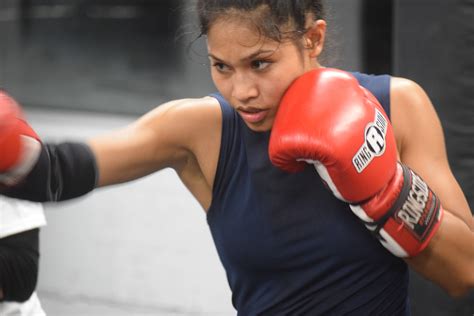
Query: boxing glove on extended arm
x=327 y=119
x=19 y=145
x=36 y=172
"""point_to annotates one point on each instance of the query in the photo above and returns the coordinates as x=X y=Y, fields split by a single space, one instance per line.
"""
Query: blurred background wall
x=82 y=67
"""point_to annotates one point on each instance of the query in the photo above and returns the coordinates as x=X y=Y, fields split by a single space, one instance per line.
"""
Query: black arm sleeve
x=63 y=171
x=19 y=256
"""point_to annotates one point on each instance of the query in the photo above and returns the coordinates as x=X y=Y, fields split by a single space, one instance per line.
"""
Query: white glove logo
x=374 y=144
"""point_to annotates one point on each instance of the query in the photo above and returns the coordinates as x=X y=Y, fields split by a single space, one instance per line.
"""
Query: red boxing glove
x=19 y=145
x=327 y=119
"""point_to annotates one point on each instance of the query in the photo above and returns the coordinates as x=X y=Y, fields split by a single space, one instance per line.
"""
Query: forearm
x=449 y=258
x=62 y=172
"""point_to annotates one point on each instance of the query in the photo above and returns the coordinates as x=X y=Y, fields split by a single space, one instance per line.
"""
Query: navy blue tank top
x=288 y=246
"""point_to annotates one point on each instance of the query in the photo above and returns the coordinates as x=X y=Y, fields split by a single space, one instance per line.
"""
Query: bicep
x=422 y=147
x=153 y=142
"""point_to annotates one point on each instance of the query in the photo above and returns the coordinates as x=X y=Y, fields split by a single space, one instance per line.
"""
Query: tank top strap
x=379 y=85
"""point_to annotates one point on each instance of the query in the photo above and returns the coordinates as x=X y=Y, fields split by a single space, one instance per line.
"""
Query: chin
x=260 y=128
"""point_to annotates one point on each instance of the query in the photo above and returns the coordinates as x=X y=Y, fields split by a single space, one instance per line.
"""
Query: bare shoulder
x=412 y=113
x=197 y=121
x=184 y=122
x=173 y=134
x=408 y=94
x=197 y=110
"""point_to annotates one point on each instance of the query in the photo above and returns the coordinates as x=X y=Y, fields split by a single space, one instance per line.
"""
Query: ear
x=314 y=37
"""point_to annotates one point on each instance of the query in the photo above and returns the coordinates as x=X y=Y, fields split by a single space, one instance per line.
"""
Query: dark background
x=127 y=56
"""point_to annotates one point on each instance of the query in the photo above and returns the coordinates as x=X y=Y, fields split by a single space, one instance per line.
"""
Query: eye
x=260 y=64
x=221 y=67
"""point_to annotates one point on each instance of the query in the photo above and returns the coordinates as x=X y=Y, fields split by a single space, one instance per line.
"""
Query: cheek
x=284 y=76
x=220 y=84
x=276 y=88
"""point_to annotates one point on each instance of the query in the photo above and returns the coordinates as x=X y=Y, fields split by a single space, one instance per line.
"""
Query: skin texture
x=253 y=72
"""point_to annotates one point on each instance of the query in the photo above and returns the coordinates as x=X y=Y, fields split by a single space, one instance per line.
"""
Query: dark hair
x=270 y=16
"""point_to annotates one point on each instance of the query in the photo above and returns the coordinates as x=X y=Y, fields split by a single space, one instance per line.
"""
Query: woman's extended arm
x=171 y=135
x=449 y=258
x=158 y=140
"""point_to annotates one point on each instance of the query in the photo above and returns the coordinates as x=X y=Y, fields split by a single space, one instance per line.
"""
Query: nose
x=244 y=87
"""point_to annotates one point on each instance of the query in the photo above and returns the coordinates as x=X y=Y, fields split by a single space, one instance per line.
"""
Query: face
x=252 y=72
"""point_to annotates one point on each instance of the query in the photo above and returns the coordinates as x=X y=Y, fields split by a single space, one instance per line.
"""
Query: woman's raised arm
x=449 y=258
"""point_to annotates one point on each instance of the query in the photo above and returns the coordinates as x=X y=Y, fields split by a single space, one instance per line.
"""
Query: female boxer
x=291 y=243
x=19 y=257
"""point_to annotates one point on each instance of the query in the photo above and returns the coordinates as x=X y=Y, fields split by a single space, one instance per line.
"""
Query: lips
x=253 y=115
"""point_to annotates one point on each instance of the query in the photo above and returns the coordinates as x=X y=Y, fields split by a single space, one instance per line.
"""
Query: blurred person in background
x=19 y=256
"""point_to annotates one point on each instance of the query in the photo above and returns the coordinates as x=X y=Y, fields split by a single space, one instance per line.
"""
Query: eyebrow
x=251 y=56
